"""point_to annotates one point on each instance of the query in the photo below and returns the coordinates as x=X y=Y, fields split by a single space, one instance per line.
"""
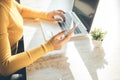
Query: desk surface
x=80 y=61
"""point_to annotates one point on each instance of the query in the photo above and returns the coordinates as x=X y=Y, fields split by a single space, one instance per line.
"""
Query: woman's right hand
x=58 y=40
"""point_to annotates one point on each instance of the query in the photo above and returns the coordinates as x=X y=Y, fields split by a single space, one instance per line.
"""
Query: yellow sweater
x=11 y=29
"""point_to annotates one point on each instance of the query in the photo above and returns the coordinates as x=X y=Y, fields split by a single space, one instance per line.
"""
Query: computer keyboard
x=50 y=29
x=69 y=23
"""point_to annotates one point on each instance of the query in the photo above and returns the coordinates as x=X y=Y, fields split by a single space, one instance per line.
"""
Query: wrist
x=49 y=46
x=43 y=15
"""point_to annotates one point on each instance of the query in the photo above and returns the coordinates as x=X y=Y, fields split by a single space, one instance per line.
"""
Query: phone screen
x=75 y=25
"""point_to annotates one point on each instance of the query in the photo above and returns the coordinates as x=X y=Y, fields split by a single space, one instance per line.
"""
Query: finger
x=59 y=35
x=71 y=31
x=61 y=17
x=61 y=11
x=57 y=19
x=54 y=19
x=67 y=37
x=60 y=14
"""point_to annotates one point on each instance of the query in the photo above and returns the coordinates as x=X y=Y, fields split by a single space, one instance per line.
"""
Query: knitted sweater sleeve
x=9 y=63
x=31 y=13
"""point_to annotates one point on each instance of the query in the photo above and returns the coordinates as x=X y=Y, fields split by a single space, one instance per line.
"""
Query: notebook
x=80 y=12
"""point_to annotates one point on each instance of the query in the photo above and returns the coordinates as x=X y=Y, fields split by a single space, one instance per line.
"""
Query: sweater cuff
x=49 y=46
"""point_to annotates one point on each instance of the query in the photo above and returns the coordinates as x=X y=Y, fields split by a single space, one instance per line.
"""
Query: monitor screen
x=85 y=10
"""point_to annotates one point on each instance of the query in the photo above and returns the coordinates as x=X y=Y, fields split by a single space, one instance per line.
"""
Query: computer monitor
x=85 y=10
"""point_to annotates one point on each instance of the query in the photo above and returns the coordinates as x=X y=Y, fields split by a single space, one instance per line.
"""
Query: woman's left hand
x=56 y=15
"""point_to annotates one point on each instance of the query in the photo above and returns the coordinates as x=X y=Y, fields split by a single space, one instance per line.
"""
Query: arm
x=9 y=63
x=30 y=13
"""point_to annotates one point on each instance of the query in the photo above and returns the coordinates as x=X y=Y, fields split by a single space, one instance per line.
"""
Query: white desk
x=81 y=61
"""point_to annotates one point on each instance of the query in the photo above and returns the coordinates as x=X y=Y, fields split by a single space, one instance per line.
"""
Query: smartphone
x=72 y=29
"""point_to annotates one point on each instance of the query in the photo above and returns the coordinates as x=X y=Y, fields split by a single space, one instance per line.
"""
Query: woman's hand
x=59 y=40
x=52 y=15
